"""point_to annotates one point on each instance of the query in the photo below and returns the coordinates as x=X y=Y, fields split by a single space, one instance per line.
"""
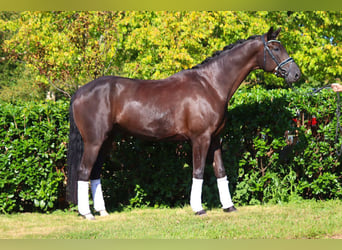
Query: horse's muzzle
x=292 y=73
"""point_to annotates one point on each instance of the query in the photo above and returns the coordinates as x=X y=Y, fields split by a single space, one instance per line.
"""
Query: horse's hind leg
x=89 y=157
x=96 y=187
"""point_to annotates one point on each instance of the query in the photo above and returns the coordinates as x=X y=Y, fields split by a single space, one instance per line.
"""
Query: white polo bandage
x=83 y=197
x=196 y=195
x=225 y=198
x=96 y=190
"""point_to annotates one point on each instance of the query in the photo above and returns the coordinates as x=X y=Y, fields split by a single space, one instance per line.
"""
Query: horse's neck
x=228 y=71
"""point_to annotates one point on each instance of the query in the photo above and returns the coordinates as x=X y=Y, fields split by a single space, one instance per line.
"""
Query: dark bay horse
x=189 y=105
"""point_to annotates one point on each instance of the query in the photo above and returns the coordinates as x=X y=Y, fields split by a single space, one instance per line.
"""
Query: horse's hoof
x=230 y=209
x=88 y=217
x=103 y=213
x=200 y=213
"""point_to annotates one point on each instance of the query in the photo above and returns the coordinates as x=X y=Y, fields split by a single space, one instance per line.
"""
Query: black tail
x=75 y=152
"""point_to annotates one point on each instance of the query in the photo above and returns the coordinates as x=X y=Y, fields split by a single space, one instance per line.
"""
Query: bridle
x=278 y=71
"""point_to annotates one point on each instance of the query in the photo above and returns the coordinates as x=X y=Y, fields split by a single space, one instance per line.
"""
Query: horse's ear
x=272 y=35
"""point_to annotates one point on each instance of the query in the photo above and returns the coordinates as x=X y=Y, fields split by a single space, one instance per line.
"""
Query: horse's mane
x=226 y=48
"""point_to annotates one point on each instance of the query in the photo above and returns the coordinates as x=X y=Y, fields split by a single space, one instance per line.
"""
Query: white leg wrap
x=226 y=200
x=196 y=195
x=82 y=197
x=96 y=191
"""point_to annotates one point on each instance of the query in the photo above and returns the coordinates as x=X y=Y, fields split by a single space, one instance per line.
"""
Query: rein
x=279 y=71
x=314 y=91
x=338 y=126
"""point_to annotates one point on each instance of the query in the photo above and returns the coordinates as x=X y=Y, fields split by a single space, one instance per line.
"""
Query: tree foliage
x=63 y=50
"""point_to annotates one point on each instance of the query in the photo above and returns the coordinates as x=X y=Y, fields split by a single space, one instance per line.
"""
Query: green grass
x=304 y=220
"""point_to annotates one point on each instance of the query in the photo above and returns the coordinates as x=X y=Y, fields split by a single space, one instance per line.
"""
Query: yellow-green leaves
x=70 y=48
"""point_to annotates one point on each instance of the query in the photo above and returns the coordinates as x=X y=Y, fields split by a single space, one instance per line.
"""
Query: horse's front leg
x=200 y=147
x=220 y=173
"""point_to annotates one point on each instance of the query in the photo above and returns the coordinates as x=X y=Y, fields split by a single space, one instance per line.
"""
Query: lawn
x=302 y=220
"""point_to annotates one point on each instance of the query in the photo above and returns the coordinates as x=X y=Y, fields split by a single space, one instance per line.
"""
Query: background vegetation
x=262 y=164
x=32 y=154
x=51 y=51
x=269 y=157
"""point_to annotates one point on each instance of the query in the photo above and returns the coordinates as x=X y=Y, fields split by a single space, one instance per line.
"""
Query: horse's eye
x=276 y=49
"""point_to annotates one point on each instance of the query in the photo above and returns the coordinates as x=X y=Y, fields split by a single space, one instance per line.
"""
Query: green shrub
x=140 y=173
x=261 y=163
x=32 y=155
x=270 y=169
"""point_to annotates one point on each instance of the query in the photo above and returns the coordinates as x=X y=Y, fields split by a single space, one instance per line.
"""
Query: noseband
x=279 y=71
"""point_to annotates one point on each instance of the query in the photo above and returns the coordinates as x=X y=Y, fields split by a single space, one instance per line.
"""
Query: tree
x=63 y=50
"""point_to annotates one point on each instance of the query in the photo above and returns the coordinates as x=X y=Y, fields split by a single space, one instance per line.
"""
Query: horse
x=190 y=105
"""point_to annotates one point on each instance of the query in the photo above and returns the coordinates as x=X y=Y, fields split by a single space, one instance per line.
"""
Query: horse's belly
x=149 y=124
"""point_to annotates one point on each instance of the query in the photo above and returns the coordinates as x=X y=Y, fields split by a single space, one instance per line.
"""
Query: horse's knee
x=218 y=166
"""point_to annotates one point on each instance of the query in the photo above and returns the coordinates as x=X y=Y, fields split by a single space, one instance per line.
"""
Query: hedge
x=278 y=145
x=277 y=151
x=32 y=155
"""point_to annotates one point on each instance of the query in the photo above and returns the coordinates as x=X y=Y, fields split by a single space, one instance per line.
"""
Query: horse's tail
x=75 y=152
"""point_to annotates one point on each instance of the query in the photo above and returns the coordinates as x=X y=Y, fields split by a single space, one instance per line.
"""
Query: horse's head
x=276 y=59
